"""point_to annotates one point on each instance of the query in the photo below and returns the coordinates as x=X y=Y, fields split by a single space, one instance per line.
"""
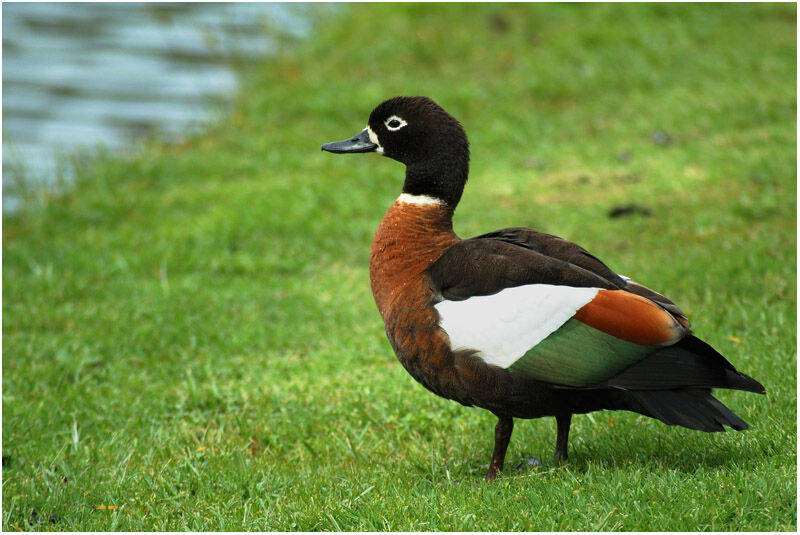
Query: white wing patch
x=502 y=327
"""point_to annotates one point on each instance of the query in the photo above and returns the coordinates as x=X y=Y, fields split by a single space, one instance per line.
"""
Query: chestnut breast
x=410 y=238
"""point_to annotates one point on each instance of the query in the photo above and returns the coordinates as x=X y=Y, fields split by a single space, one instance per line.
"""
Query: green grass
x=190 y=341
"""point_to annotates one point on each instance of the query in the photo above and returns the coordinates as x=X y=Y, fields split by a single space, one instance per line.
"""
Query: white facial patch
x=373 y=137
x=394 y=123
x=407 y=198
x=504 y=326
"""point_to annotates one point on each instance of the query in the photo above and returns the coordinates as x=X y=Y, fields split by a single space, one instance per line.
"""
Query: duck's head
x=419 y=133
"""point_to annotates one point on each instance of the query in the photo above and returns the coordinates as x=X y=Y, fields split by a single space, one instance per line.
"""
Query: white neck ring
x=407 y=198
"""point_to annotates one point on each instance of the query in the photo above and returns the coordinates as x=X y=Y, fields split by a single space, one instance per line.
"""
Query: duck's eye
x=394 y=123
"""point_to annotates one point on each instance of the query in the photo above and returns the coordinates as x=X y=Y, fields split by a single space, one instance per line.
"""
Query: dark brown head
x=419 y=133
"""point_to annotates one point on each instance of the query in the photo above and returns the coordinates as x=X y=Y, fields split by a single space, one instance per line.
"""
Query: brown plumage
x=410 y=239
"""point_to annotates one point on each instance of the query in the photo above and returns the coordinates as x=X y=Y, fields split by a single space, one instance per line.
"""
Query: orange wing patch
x=631 y=317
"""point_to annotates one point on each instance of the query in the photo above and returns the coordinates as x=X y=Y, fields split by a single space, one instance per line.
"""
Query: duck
x=518 y=322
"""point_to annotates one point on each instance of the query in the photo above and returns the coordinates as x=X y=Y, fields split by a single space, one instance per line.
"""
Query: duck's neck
x=413 y=234
x=442 y=179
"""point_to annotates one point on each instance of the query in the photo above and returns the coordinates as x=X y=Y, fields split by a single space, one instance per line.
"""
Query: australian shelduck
x=519 y=322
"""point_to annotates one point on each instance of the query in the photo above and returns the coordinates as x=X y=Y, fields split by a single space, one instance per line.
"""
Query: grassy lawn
x=189 y=338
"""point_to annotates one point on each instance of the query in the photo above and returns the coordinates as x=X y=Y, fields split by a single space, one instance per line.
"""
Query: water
x=81 y=74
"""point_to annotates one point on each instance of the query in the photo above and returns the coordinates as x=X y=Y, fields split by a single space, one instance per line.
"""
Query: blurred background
x=80 y=74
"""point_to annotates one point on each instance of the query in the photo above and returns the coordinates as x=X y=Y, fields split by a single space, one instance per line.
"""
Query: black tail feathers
x=692 y=408
x=674 y=385
x=691 y=363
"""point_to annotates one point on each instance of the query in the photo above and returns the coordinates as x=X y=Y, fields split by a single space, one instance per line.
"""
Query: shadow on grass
x=653 y=448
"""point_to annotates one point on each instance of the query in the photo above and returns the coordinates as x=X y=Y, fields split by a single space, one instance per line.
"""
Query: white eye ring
x=394 y=123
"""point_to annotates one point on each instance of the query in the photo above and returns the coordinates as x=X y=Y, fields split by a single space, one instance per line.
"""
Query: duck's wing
x=556 y=247
x=486 y=265
x=560 y=322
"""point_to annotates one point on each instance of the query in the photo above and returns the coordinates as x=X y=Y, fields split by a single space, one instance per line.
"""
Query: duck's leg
x=502 y=435
x=562 y=436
